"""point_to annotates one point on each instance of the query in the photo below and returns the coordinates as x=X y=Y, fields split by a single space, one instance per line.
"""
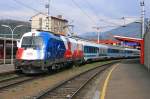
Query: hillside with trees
x=5 y=32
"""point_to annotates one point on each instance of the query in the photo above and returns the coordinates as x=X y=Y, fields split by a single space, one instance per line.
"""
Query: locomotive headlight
x=42 y=54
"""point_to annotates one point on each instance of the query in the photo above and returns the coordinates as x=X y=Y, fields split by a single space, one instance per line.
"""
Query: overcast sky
x=84 y=14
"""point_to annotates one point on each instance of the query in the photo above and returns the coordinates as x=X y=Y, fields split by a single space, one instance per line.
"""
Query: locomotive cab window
x=35 y=42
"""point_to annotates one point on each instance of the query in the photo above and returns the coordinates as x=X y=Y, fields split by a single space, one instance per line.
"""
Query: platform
x=6 y=68
x=129 y=80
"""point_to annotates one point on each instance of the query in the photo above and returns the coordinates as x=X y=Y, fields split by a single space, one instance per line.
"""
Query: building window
x=40 y=23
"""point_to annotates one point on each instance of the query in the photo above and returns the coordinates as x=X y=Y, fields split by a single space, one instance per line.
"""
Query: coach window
x=86 y=49
x=95 y=50
x=91 y=49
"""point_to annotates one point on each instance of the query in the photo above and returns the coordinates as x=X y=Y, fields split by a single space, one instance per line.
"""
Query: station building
x=53 y=24
x=5 y=47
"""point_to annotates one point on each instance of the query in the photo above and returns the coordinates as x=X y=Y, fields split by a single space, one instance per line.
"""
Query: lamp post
x=98 y=33
x=146 y=25
x=12 y=32
x=142 y=4
x=71 y=31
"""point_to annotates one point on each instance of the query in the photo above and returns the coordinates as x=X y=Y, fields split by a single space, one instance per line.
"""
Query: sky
x=83 y=14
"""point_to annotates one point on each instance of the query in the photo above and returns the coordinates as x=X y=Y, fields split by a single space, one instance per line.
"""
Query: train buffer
x=126 y=80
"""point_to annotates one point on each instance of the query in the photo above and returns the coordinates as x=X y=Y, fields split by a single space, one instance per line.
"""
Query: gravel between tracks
x=6 y=68
x=93 y=88
x=26 y=90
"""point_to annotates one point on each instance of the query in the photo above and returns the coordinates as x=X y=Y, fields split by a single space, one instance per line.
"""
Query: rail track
x=11 y=79
x=69 y=88
x=7 y=73
x=14 y=81
x=18 y=80
x=4 y=76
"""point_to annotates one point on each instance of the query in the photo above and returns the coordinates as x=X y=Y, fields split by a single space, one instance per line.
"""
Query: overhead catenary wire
x=88 y=16
x=77 y=5
x=35 y=10
x=6 y=14
x=92 y=8
x=29 y=7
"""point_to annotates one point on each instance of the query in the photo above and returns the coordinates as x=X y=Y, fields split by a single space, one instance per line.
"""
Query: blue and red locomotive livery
x=42 y=51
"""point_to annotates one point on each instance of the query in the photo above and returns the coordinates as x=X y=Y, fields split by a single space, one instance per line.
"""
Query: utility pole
x=124 y=22
x=142 y=4
x=70 y=28
x=47 y=6
x=98 y=33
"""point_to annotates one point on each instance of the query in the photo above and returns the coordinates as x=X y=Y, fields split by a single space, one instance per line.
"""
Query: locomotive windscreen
x=35 y=42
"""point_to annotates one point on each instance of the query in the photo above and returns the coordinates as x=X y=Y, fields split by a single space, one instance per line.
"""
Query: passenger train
x=42 y=51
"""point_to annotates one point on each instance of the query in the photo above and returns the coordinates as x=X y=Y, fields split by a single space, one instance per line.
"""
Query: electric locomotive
x=41 y=51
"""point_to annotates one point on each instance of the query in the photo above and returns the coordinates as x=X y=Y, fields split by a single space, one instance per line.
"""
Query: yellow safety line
x=106 y=83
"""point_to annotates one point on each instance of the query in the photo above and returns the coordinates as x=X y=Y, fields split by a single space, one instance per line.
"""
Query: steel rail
x=14 y=81
x=7 y=73
x=68 y=88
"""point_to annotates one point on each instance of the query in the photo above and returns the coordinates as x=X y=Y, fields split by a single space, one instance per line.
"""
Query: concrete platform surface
x=6 y=68
x=129 y=80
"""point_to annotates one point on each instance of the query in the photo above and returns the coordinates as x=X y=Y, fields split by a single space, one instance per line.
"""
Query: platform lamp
x=12 y=32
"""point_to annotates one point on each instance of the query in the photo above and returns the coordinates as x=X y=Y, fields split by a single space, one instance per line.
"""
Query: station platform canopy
x=128 y=39
x=8 y=39
x=135 y=40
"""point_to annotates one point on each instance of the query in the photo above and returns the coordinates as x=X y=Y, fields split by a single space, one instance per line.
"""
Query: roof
x=59 y=18
x=38 y=14
x=108 y=41
x=4 y=38
x=49 y=16
x=129 y=39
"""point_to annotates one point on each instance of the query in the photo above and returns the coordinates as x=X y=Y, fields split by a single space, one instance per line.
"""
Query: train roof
x=85 y=42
